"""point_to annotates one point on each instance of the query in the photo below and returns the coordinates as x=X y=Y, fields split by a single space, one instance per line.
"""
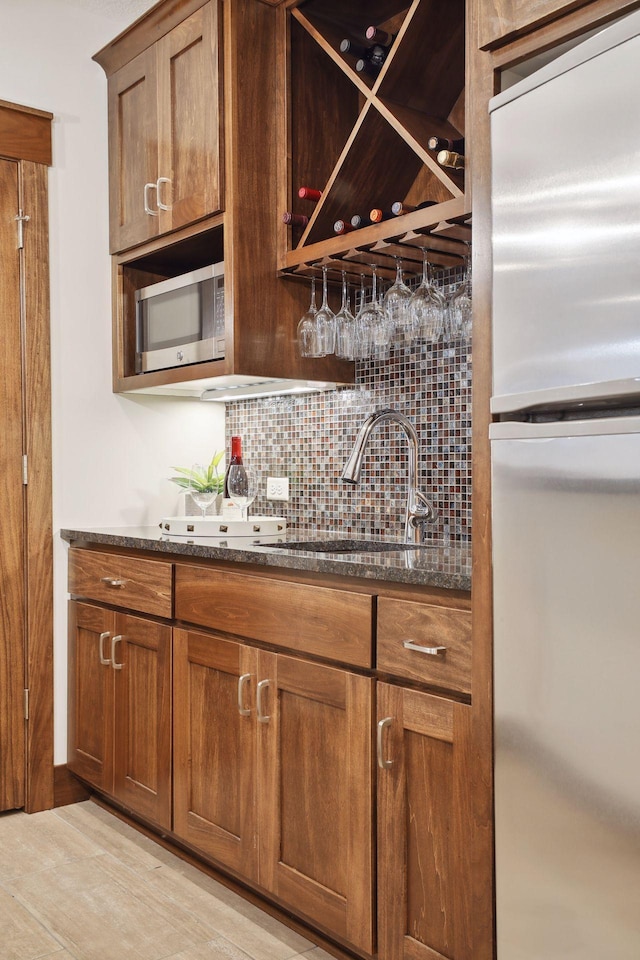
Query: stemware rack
x=363 y=140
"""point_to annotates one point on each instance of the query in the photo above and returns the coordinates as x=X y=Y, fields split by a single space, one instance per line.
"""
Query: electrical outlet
x=277 y=488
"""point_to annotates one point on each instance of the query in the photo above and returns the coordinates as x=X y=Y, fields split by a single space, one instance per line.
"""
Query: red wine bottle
x=443 y=143
x=399 y=207
x=376 y=35
x=235 y=458
x=295 y=219
x=378 y=215
x=449 y=158
x=309 y=193
x=341 y=226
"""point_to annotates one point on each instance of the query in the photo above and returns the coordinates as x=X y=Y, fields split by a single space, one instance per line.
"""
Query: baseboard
x=66 y=789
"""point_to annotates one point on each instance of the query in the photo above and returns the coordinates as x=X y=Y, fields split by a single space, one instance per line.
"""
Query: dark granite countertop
x=445 y=567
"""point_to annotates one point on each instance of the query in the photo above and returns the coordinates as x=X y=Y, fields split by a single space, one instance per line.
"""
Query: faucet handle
x=421 y=512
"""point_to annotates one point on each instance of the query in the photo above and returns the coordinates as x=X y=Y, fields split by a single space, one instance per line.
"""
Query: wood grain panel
x=215 y=750
x=502 y=20
x=189 y=131
x=25 y=133
x=429 y=627
x=143 y=585
x=12 y=597
x=328 y=623
x=142 y=718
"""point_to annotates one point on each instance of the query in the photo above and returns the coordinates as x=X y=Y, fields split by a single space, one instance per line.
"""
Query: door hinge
x=21 y=218
x=26 y=704
x=25 y=470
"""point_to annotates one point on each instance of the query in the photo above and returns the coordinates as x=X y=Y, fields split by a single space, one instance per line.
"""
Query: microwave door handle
x=148 y=187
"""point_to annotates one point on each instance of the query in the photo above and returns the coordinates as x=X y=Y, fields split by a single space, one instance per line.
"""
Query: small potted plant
x=204 y=484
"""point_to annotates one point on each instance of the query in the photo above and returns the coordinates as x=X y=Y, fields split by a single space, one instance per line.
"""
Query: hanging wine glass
x=459 y=306
x=345 y=326
x=427 y=306
x=363 y=333
x=307 y=340
x=395 y=303
x=325 y=321
x=375 y=318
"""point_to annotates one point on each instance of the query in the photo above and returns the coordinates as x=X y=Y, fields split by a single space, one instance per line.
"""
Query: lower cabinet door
x=315 y=781
x=90 y=712
x=215 y=748
x=141 y=664
x=423 y=827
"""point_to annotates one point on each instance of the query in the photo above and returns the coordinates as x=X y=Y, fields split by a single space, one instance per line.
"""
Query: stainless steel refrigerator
x=566 y=504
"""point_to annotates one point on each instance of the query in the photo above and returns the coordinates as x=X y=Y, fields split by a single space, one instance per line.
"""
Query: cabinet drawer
x=312 y=619
x=403 y=622
x=143 y=585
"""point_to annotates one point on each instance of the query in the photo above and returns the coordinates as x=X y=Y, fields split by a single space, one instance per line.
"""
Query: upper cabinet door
x=189 y=131
x=133 y=152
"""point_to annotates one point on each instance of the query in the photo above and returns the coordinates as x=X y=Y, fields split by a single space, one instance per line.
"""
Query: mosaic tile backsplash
x=308 y=439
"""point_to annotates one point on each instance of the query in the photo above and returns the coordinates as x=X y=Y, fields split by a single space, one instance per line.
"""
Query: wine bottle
x=449 y=158
x=370 y=67
x=295 y=219
x=354 y=49
x=358 y=220
x=376 y=35
x=443 y=143
x=341 y=226
x=309 y=193
x=230 y=511
x=378 y=215
x=398 y=208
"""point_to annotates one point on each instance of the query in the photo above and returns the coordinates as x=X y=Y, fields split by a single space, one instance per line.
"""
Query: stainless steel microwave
x=181 y=320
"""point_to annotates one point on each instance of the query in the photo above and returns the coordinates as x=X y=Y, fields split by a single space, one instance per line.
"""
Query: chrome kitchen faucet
x=420 y=510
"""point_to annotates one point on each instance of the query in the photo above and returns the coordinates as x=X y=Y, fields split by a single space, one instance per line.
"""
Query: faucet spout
x=419 y=509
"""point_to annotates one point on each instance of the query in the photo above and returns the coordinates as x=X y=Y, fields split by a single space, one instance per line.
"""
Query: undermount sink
x=348 y=546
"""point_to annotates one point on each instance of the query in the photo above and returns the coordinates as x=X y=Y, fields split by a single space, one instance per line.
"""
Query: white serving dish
x=252 y=528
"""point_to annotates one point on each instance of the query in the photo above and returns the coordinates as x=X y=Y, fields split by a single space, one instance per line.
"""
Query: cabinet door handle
x=113 y=581
x=242 y=681
x=431 y=651
x=114 y=640
x=161 y=205
x=103 y=660
x=262 y=717
x=382 y=763
x=147 y=206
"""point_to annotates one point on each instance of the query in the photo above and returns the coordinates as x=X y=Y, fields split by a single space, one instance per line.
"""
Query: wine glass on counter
x=427 y=306
x=242 y=486
x=202 y=492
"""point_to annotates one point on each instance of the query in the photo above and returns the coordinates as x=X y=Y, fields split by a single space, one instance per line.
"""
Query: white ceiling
x=126 y=11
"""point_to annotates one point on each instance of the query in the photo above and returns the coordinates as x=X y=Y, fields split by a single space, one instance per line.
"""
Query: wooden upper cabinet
x=165 y=136
x=500 y=20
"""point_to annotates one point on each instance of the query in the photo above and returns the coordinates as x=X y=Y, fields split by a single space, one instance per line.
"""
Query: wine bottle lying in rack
x=449 y=158
x=341 y=226
x=376 y=35
x=378 y=215
x=360 y=220
x=295 y=219
x=398 y=208
x=443 y=143
x=354 y=49
x=309 y=193
x=370 y=67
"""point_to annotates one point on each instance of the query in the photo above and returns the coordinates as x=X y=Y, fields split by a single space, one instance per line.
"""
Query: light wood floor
x=78 y=884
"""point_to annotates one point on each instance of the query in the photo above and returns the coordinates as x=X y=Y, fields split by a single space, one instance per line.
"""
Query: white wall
x=111 y=454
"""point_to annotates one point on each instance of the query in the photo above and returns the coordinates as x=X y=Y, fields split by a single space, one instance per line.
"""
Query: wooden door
x=189 y=128
x=141 y=665
x=315 y=781
x=90 y=709
x=12 y=640
x=133 y=152
x=423 y=827
x=215 y=748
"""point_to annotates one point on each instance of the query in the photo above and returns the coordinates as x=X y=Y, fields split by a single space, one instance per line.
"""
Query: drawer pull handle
x=382 y=763
x=262 y=717
x=431 y=651
x=114 y=664
x=105 y=661
x=242 y=681
x=113 y=581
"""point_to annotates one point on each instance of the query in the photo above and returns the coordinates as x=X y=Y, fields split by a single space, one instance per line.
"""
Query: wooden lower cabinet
x=424 y=847
x=274 y=777
x=120 y=707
